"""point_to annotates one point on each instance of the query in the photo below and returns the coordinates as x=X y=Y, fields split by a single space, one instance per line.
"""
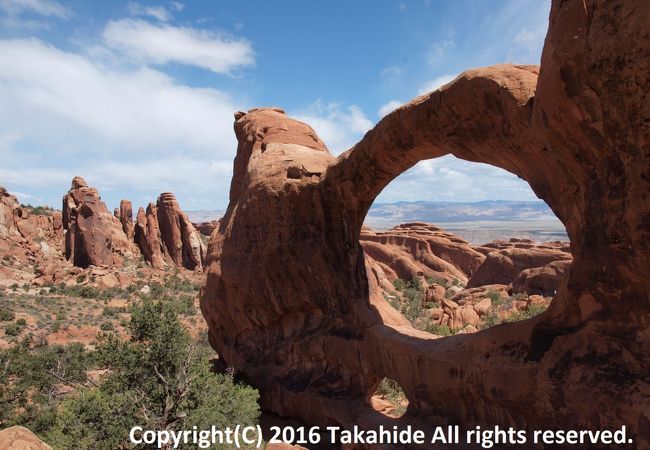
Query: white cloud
x=528 y=42
x=391 y=71
x=158 y=12
x=451 y=179
x=388 y=107
x=137 y=129
x=435 y=84
x=177 y=6
x=161 y=44
x=47 y=8
x=438 y=50
x=339 y=127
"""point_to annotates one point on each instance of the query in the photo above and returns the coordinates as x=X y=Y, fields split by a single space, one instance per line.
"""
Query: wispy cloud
x=161 y=44
x=388 y=107
x=451 y=179
x=157 y=12
x=438 y=51
x=338 y=126
x=47 y=8
x=435 y=84
x=391 y=71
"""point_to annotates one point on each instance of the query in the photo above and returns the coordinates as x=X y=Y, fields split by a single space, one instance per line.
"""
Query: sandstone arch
x=287 y=297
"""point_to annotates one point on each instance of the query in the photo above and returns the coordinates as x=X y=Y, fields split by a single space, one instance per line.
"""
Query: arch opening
x=389 y=398
x=476 y=250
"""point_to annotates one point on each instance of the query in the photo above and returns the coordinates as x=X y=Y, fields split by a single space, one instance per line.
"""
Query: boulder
x=543 y=280
x=20 y=438
x=434 y=293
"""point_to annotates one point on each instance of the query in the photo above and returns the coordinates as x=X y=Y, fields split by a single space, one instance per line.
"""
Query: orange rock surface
x=288 y=299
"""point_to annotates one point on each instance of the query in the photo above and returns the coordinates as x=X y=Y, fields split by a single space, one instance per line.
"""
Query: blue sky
x=138 y=97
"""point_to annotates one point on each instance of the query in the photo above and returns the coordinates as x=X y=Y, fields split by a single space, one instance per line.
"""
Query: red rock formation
x=10 y=213
x=503 y=266
x=93 y=235
x=206 y=228
x=182 y=242
x=288 y=299
x=545 y=280
x=421 y=249
x=165 y=235
x=147 y=236
x=126 y=218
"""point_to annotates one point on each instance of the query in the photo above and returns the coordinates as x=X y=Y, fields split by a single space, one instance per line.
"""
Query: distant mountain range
x=478 y=222
x=204 y=215
x=443 y=212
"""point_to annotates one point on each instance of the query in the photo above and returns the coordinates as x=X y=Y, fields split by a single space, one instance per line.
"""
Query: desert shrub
x=6 y=315
x=392 y=392
x=32 y=397
x=146 y=383
x=110 y=293
x=531 y=311
x=185 y=305
x=81 y=278
x=107 y=326
x=38 y=210
x=438 y=280
x=13 y=329
x=399 y=284
x=56 y=326
x=440 y=330
x=21 y=322
x=491 y=319
x=176 y=283
x=495 y=297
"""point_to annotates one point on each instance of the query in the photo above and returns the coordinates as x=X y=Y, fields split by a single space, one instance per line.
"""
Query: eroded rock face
x=126 y=218
x=421 y=249
x=544 y=280
x=206 y=228
x=288 y=300
x=165 y=235
x=93 y=236
x=503 y=266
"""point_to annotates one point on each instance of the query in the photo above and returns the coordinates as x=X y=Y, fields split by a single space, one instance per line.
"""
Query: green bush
x=440 y=330
x=6 y=315
x=531 y=311
x=107 y=326
x=495 y=297
x=13 y=329
x=491 y=319
x=21 y=322
x=392 y=392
